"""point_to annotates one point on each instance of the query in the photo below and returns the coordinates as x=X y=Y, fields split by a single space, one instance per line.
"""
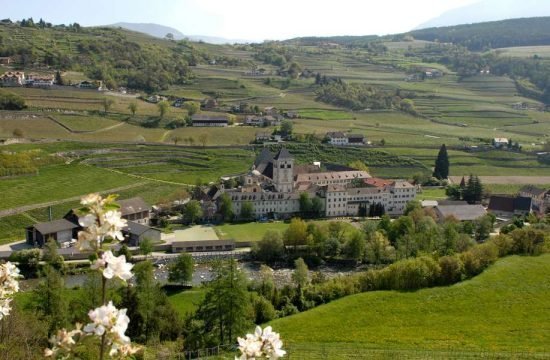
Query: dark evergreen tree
x=441 y=170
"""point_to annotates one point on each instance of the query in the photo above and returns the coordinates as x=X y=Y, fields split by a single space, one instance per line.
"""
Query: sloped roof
x=133 y=205
x=509 y=203
x=461 y=212
x=533 y=190
x=336 y=134
x=136 y=228
x=263 y=158
x=283 y=154
x=335 y=175
x=55 y=226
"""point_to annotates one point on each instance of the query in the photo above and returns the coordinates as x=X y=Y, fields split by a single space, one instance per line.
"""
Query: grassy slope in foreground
x=506 y=308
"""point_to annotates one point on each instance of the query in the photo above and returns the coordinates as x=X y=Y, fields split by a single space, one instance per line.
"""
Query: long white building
x=275 y=182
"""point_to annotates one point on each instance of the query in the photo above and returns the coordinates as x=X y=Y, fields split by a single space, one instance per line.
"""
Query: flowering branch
x=9 y=285
x=262 y=344
x=101 y=219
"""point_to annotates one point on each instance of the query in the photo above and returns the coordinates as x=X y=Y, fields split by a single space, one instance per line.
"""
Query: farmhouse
x=209 y=104
x=200 y=120
x=39 y=80
x=263 y=136
x=5 y=60
x=135 y=233
x=500 y=142
x=509 y=206
x=274 y=184
x=96 y=84
x=134 y=209
x=339 y=138
x=12 y=78
x=267 y=120
x=62 y=231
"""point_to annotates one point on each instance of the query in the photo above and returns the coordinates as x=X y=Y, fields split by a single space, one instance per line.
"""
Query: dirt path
x=22 y=209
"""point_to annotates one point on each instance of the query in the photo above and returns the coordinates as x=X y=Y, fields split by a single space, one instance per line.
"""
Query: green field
x=249 y=232
x=504 y=309
x=186 y=301
x=59 y=182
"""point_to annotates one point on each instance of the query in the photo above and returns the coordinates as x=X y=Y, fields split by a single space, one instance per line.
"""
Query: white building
x=275 y=183
x=339 y=138
x=500 y=142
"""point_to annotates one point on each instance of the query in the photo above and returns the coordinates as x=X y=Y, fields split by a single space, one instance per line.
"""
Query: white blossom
x=113 y=266
x=99 y=221
x=107 y=319
x=5 y=308
x=63 y=342
x=9 y=285
x=262 y=344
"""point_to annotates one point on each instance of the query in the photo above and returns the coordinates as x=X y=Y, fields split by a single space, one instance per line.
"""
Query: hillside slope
x=489 y=10
x=491 y=35
x=504 y=309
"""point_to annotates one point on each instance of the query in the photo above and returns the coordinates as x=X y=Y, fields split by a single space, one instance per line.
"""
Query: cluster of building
x=18 y=78
x=64 y=231
x=529 y=200
x=275 y=183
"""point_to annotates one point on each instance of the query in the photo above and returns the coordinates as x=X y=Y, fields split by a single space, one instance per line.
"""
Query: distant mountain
x=490 y=10
x=491 y=35
x=155 y=30
x=160 y=31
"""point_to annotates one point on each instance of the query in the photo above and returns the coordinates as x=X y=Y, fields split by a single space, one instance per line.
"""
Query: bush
x=263 y=310
x=412 y=274
x=529 y=241
x=451 y=270
x=11 y=101
x=504 y=244
x=479 y=258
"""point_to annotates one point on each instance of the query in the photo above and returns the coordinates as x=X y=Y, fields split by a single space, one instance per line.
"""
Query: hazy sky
x=243 y=19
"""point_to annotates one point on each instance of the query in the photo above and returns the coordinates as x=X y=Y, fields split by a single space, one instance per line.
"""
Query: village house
x=13 y=78
x=62 y=231
x=541 y=197
x=339 y=138
x=500 y=142
x=39 y=80
x=262 y=136
x=134 y=209
x=134 y=233
x=95 y=85
x=274 y=184
x=200 y=120
x=291 y=114
x=209 y=104
x=5 y=60
x=504 y=206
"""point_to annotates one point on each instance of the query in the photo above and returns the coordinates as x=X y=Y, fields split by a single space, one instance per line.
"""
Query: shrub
x=529 y=241
x=413 y=274
x=451 y=270
x=263 y=310
x=11 y=101
x=479 y=258
x=504 y=244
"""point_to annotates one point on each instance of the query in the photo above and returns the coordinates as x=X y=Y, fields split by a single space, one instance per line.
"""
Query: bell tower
x=283 y=171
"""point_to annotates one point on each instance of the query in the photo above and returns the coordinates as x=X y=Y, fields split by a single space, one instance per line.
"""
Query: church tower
x=283 y=171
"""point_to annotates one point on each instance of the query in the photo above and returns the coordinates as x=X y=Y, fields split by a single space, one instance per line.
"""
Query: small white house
x=337 y=138
x=500 y=142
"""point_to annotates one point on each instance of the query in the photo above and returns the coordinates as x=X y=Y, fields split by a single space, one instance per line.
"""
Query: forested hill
x=491 y=35
x=118 y=57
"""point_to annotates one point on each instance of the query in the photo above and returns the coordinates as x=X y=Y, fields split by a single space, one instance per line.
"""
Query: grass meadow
x=504 y=309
